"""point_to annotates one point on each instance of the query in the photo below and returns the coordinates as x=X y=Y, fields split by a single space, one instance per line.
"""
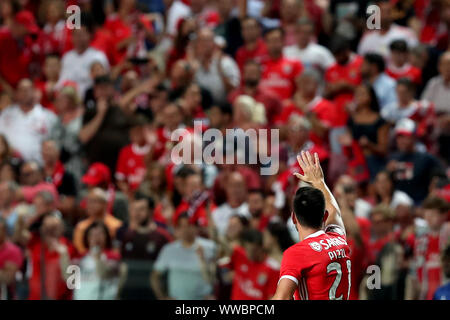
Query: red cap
x=405 y=127
x=98 y=173
x=26 y=19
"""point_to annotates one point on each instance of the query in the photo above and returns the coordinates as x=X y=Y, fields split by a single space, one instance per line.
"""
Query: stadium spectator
x=254 y=47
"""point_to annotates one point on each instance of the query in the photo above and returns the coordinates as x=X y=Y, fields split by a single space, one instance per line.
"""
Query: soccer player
x=318 y=267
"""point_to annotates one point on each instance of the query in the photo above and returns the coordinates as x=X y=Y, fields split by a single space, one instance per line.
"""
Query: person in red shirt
x=254 y=47
x=47 y=86
x=399 y=67
x=342 y=77
x=15 y=61
x=251 y=87
x=255 y=274
x=319 y=266
x=279 y=72
x=130 y=170
x=428 y=247
x=321 y=113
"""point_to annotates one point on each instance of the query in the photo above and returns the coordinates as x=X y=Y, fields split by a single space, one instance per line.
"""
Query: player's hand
x=312 y=171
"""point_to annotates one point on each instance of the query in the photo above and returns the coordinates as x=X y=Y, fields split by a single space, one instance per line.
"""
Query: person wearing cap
x=18 y=40
x=99 y=176
x=413 y=170
x=96 y=210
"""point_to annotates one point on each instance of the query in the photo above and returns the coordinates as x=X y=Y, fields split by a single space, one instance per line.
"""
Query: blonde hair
x=255 y=110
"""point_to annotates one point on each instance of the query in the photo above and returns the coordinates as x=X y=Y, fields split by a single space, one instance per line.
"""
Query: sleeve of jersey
x=291 y=265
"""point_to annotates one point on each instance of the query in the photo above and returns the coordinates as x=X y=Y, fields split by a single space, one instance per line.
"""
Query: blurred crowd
x=93 y=206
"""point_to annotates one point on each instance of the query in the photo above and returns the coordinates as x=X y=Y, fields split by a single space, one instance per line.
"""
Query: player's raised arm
x=313 y=174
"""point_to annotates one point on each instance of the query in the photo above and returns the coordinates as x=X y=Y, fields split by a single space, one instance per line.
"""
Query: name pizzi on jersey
x=326 y=244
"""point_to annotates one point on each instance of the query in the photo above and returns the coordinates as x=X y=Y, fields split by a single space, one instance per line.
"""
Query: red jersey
x=253 y=280
x=279 y=76
x=257 y=54
x=427 y=253
x=131 y=165
x=407 y=71
x=320 y=266
x=351 y=73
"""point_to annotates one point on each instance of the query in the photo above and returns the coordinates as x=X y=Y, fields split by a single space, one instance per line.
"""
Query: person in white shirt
x=236 y=192
x=27 y=124
x=76 y=63
x=378 y=41
x=215 y=72
x=310 y=54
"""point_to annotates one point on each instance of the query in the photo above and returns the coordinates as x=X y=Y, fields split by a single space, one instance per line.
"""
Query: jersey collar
x=315 y=234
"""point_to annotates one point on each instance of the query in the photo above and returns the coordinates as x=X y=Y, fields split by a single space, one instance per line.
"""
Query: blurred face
x=97 y=70
x=297 y=134
x=405 y=143
x=385 y=14
x=205 y=43
x=104 y=90
x=41 y=206
x=234 y=228
x=252 y=75
x=137 y=135
x=366 y=69
x=29 y=174
x=383 y=185
x=236 y=189
x=25 y=93
x=444 y=66
x=255 y=203
x=399 y=58
x=52 y=67
x=7 y=173
x=50 y=153
x=51 y=227
x=186 y=231
x=380 y=225
x=2 y=232
x=434 y=218
x=193 y=185
x=404 y=95
x=156 y=177
x=63 y=102
x=216 y=117
x=274 y=42
x=6 y=195
x=53 y=12
x=250 y=30
x=304 y=34
x=172 y=117
x=269 y=241
x=342 y=57
x=289 y=10
x=253 y=251
x=307 y=85
x=362 y=96
x=139 y=212
x=193 y=96
x=81 y=38
x=95 y=205
x=97 y=238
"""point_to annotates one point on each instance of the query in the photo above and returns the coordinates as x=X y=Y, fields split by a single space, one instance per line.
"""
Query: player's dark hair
x=436 y=203
x=339 y=44
x=376 y=59
x=275 y=29
x=281 y=233
x=252 y=236
x=258 y=191
x=87 y=21
x=309 y=207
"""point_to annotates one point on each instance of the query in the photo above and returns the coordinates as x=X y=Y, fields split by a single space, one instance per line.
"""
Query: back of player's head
x=377 y=60
x=309 y=207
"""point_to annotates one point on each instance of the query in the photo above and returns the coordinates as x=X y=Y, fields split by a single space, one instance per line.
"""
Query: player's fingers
x=300 y=162
x=316 y=159
x=305 y=159
x=309 y=158
x=298 y=175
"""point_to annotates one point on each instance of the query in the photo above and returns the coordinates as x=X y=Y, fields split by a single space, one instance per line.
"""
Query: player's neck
x=303 y=232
